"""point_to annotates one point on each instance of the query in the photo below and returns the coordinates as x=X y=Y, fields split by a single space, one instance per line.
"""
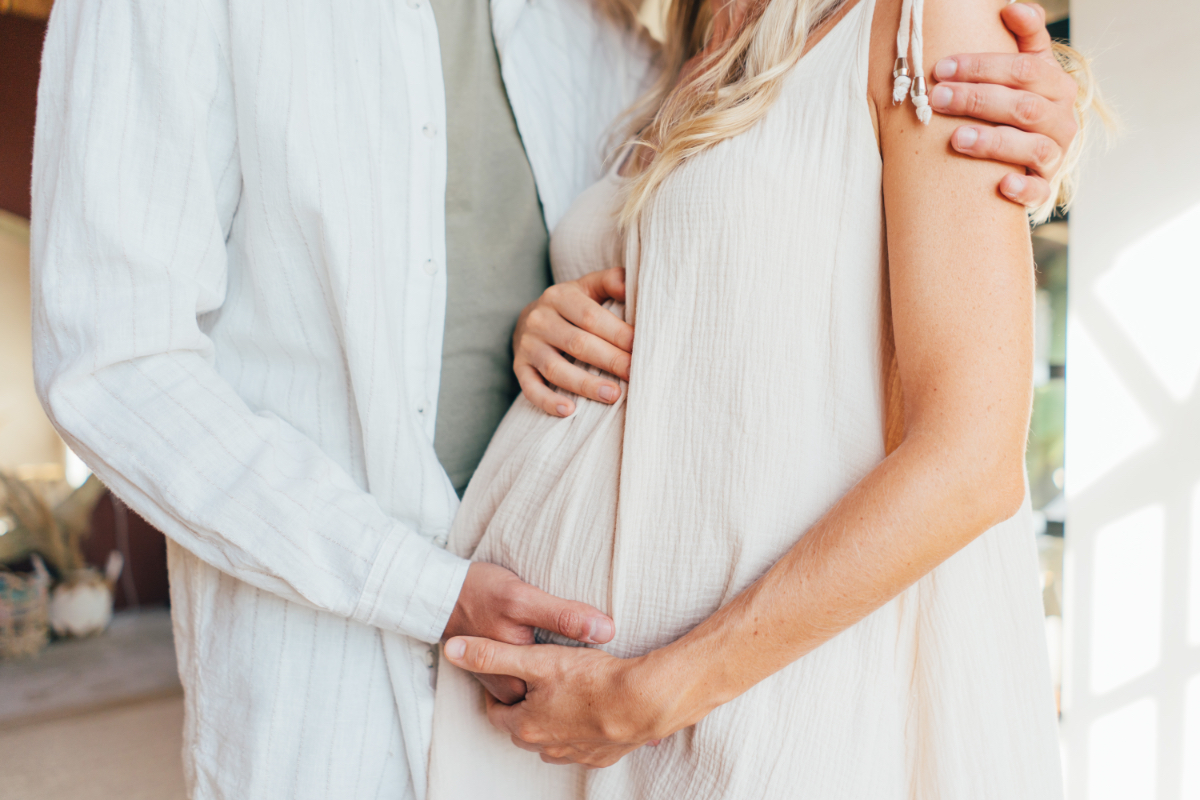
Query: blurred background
x=89 y=696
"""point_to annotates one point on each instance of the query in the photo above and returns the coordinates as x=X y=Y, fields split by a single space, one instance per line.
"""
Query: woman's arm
x=962 y=300
x=1030 y=97
x=961 y=282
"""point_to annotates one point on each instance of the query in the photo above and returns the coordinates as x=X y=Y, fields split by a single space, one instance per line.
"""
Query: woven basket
x=24 y=605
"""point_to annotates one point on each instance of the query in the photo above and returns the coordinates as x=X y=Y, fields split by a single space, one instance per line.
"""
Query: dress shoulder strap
x=912 y=17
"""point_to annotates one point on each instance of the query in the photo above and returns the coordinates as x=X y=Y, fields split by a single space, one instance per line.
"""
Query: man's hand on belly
x=495 y=604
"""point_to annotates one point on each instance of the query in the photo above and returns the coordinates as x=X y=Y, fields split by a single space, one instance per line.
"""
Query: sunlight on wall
x=1194 y=575
x=1191 y=740
x=1163 y=326
x=1123 y=746
x=1100 y=435
x=1131 y=592
x=1127 y=599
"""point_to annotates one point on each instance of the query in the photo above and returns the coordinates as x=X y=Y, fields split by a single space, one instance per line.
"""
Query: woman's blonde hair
x=1089 y=107
x=725 y=94
x=732 y=88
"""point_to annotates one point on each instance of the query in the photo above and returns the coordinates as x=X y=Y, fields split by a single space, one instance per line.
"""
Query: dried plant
x=30 y=513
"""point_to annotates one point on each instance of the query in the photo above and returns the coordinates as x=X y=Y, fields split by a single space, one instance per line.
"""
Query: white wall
x=26 y=436
x=1131 y=716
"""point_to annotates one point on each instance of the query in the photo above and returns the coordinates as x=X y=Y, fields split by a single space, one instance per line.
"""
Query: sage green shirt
x=497 y=246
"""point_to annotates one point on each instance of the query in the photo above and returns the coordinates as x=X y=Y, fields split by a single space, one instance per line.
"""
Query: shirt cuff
x=412 y=587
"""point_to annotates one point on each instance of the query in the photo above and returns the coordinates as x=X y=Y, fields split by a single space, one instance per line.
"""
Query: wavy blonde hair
x=731 y=89
x=1089 y=107
x=722 y=96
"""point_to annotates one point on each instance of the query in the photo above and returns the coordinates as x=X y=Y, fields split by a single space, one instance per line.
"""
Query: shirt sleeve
x=136 y=181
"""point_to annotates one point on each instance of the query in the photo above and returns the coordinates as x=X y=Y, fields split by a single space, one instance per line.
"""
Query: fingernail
x=941 y=96
x=965 y=137
x=1024 y=10
x=608 y=394
x=455 y=649
x=1013 y=187
x=562 y=410
x=945 y=69
x=599 y=631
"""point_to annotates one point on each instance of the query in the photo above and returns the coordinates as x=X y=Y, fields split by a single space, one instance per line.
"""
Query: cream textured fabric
x=754 y=404
x=239 y=296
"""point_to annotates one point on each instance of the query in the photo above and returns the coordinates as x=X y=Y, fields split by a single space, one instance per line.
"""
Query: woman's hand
x=497 y=604
x=1028 y=94
x=583 y=706
x=569 y=319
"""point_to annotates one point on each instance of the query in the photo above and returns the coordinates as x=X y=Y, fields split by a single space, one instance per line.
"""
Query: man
x=273 y=321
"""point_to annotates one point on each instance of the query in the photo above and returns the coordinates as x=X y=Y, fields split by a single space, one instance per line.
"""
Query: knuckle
x=519 y=603
x=1024 y=68
x=974 y=103
x=970 y=68
x=1071 y=128
x=553 y=370
x=569 y=622
x=537 y=319
x=1028 y=110
x=612 y=730
x=526 y=732
x=1070 y=82
x=589 y=318
x=485 y=656
x=992 y=141
x=1045 y=154
x=523 y=342
x=576 y=342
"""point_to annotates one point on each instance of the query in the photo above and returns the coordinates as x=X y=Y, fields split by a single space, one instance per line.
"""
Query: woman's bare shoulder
x=948 y=27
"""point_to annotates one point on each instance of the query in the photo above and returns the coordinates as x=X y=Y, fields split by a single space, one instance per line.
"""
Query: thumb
x=488 y=657
x=604 y=284
x=577 y=621
x=1027 y=22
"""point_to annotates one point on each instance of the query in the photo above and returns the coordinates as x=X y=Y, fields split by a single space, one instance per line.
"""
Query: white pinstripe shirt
x=237 y=246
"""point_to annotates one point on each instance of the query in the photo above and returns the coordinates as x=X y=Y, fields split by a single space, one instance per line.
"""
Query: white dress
x=755 y=402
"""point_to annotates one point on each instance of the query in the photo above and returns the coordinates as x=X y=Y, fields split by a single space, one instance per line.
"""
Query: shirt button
x=429 y=129
x=430 y=657
x=431 y=267
x=441 y=540
x=414 y=3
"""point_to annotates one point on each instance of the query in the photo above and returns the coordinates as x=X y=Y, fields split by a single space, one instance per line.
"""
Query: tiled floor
x=125 y=753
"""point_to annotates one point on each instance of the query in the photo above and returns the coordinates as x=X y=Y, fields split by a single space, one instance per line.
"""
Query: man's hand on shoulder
x=495 y=604
x=1028 y=94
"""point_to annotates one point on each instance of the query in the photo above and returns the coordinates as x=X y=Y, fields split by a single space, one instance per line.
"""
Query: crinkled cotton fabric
x=754 y=403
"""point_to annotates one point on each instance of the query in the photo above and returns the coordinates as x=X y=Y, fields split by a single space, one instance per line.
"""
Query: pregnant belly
x=543 y=502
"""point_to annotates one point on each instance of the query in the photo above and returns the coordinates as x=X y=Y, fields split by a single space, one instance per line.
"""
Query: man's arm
x=135 y=184
x=136 y=177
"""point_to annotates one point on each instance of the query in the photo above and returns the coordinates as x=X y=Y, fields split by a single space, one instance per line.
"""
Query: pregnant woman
x=807 y=514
